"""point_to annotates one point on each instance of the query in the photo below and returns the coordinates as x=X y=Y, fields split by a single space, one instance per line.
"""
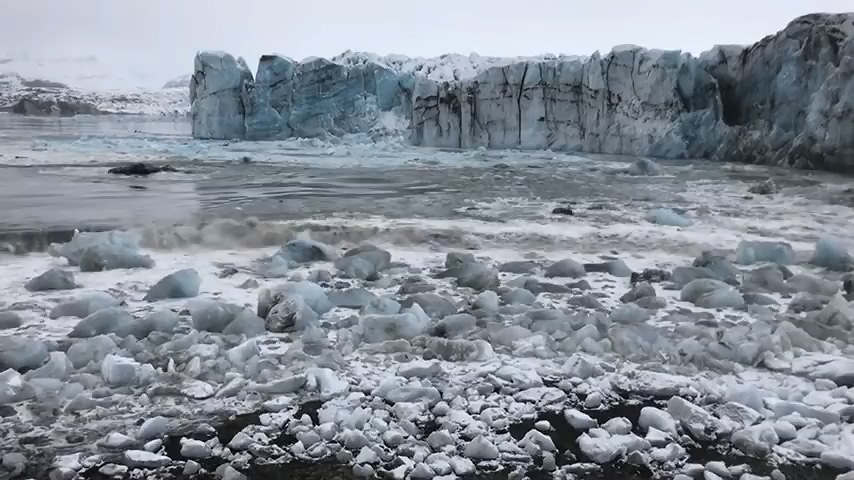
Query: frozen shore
x=422 y=364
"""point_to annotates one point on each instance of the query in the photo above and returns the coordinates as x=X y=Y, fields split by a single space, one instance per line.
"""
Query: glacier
x=786 y=100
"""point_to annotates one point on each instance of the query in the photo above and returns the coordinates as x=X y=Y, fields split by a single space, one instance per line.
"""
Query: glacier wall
x=786 y=100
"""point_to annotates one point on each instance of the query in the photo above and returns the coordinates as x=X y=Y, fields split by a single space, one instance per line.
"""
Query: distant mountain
x=88 y=72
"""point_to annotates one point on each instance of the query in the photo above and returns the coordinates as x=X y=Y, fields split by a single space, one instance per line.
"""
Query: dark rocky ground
x=563 y=435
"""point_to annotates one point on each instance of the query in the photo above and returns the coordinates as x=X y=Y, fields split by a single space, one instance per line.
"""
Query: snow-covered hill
x=86 y=85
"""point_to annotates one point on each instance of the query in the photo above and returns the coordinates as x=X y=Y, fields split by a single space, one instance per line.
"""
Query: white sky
x=161 y=36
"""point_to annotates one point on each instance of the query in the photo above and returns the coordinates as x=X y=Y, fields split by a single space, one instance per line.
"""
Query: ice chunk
x=599 y=449
x=90 y=350
x=814 y=285
x=684 y=275
x=457 y=350
x=381 y=306
x=724 y=270
x=638 y=291
x=644 y=167
x=161 y=321
x=290 y=314
x=768 y=277
x=455 y=325
x=313 y=294
x=14 y=462
x=327 y=381
x=246 y=323
x=481 y=449
x=654 y=418
x=723 y=298
x=84 y=306
x=306 y=250
x=380 y=328
x=143 y=459
x=120 y=371
x=508 y=335
x=757 y=440
x=579 y=420
x=109 y=320
x=567 y=268
x=13 y=388
x=840 y=370
x=666 y=216
x=518 y=296
x=765 y=187
x=116 y=440
x=98 y=258
x=10 y=320
x=699 y=287
x=696 y=421
x=617 y=268
x=240 y=354
x=487 y=301
x=191 y=448
x=352 y=298
x=750 y=252
x=57 y=367
x=521 y=266
x=181 y=284
x=839 y=459
x=538 y=441
x=73 y=251
x=364 y=262
x=21 y=353
x=432 y=304
x=629 y=314
x=469 y=272
x=53 y=279
x=154 y=427
x=832 y=255
x=213 y=316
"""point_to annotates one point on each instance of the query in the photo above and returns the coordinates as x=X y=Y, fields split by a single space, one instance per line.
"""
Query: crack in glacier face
x=519 y=103
x=786 y=100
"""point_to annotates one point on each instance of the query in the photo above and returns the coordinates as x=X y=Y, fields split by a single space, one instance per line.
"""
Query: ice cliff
x=786 y=100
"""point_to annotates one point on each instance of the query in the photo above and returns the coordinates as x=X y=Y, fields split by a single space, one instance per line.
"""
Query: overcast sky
x=161 y=36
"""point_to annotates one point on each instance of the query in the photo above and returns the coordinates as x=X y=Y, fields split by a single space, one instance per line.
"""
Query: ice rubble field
x=432 y=363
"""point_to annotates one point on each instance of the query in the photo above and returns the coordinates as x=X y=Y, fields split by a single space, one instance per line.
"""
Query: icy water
x=53 y=178
x=231 y=204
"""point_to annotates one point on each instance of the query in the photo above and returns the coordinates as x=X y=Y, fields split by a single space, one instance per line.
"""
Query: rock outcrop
x=786 y=100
